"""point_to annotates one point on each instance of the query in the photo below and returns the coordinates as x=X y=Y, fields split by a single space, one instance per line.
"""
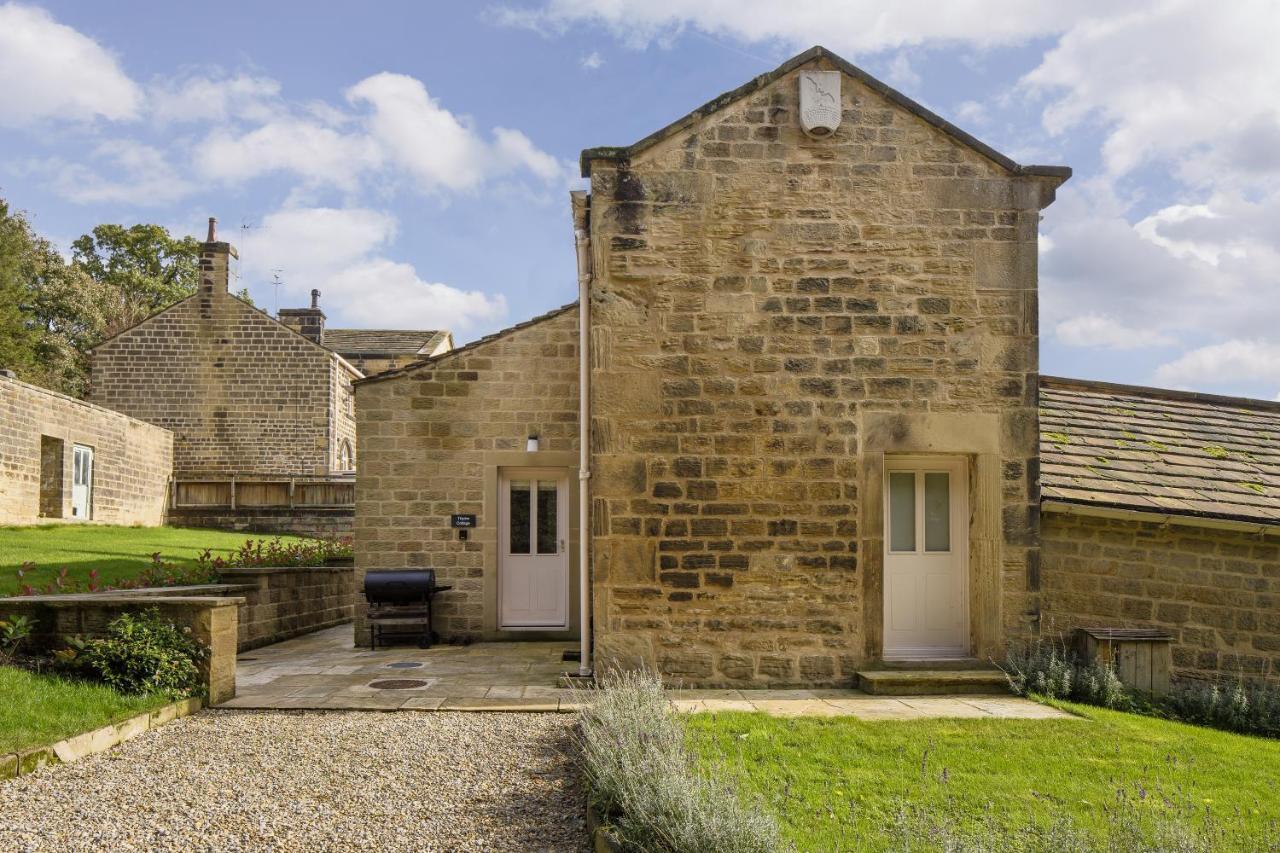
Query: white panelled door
x=533 y=557
x=81 y=482
x=926 y=579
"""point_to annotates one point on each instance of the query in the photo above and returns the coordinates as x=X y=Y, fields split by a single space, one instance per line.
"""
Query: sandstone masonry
x=1216 y=591
x=38 y=430
x=432 y=440
x=242 y=394
x=771 y=314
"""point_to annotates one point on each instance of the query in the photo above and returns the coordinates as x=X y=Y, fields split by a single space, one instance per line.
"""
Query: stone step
x=924 y=682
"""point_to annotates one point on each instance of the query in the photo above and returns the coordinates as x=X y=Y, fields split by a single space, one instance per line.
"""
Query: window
x=346 y=459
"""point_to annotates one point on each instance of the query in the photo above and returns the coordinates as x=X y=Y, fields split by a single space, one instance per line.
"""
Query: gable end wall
x=771 y=314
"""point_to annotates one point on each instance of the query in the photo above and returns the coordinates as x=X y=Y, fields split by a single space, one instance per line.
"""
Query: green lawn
x=37 y=710
x=837 y=783
x=118 y=553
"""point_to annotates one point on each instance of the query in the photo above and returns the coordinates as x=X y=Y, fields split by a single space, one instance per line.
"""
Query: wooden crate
x=1142 y=657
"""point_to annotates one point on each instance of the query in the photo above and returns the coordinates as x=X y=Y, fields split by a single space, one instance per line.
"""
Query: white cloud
x=855 y=26
x=125 y=171
x=1099 y=330
x=50 y=71
x=971 y=113
x=1232 y=362
x=592 y=60
x=395 y=126
x=1179 y=79
x=340 y=252
x=210 y=99
x=901 y=74
x=319 y=154
x=440 y=149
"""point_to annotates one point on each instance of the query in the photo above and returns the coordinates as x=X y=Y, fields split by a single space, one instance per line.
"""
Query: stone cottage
x=262 y=410
x=63 y=459
x=803 y=436
x=242 y=392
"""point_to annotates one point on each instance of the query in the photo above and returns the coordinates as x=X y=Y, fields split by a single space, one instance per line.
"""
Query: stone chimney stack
x=215 y=264
x=308 y=322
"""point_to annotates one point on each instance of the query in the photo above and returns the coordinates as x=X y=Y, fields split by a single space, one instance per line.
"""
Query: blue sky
x=413 y=160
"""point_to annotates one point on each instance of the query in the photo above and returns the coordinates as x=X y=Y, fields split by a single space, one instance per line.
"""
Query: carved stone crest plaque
x=820 y=102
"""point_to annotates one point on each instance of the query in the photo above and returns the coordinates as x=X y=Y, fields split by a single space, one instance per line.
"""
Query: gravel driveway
x=284 y=781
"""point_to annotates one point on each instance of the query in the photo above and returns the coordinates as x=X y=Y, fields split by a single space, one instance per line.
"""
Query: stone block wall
x=320 y=522
x=432 y=440
x=133 y=460
x=211 y=618
x=342 y=400
x=286 y=602
x=241 y=393
x=1216 y=591
x=758 y=295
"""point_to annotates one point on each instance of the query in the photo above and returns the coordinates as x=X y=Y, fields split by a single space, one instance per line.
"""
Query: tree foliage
x=52 y=310
x=142 y=268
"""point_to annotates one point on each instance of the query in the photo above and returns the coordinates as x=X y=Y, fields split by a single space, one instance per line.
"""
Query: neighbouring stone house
x=62 y=459
x=242 y=393
x=261 y=410
x=813 y=422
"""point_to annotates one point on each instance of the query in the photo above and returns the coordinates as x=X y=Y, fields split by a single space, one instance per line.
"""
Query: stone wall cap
x=77 y=599
x=281 y=570
x=1057 y=174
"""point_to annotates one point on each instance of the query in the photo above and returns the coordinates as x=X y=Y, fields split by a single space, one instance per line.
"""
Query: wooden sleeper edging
x=74 y=748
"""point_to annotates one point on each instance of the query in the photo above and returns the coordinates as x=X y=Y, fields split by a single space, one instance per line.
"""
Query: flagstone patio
x=324 y=671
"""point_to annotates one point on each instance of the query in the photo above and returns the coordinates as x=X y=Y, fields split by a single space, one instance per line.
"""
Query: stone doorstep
x=923 y=682
x=78 y=746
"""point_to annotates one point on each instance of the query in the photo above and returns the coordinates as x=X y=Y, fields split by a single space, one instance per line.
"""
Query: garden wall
x=270 y=605
x=1215 y=591
x=320 y=522
x=210 y=614
x=132 y=460
x=284 y=602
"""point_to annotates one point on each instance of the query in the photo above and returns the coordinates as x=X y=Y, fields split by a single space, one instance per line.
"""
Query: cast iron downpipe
x=582 y=242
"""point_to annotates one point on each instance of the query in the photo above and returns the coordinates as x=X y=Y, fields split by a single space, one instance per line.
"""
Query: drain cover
x=399 y=684
x=404 y=664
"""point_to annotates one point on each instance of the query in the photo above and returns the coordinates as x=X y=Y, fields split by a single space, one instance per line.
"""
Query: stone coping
x=280 y=570
x=78 y=599
x=76 y=747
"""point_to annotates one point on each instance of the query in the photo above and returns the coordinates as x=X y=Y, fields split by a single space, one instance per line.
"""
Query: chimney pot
x=315 y=299
x=213 y=230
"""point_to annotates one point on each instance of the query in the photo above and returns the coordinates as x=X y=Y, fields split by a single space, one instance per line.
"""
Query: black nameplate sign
x=466 y=521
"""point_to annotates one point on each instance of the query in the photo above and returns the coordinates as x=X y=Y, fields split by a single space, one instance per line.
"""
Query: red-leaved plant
x=253 y=553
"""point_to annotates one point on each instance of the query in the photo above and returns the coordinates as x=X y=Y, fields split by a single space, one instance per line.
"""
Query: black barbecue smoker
x=400 y=605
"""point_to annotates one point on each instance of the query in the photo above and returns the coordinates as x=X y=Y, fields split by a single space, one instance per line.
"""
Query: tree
x=17 y=339
x=143 y=267
x=49 y=310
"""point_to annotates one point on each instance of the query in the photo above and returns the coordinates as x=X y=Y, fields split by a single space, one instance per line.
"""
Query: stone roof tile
x=1152 y=450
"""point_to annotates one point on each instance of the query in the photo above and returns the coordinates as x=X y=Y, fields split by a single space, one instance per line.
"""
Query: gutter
x=1260 y=528
x=581 y=202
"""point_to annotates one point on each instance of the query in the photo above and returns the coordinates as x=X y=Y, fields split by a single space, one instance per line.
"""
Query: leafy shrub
x=262 y=552
x=644 y=781
x=159 y=573
x=1047 y=668
x=1239 y=707
x=14 y=632
x=141 y=653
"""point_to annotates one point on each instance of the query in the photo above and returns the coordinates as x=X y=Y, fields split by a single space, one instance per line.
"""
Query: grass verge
x=37 y=710
x=844 y=784
x=118 y=553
